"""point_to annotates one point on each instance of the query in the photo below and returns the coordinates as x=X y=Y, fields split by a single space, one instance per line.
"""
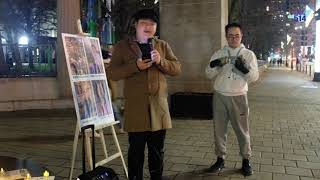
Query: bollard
x=300 y=67
x=306 y=69
x=310 y=70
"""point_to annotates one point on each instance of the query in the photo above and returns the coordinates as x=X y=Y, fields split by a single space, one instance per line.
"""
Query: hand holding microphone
x=155 y=55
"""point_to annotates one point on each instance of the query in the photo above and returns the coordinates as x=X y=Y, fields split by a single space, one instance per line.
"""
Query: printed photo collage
x=88 y=78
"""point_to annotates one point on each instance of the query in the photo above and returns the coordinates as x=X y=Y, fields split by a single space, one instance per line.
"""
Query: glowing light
x=288 y=39
x=46 y=174
x=290 y=16
x=23 y=40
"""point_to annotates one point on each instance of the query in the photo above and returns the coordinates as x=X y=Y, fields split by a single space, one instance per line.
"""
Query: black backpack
x=100 y=172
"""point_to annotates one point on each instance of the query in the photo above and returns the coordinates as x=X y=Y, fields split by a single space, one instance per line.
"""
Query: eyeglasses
x=147 y=23
x=230 y=36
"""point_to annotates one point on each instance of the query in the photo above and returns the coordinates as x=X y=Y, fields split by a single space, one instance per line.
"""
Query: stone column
x=194 y=29
x=68 y=12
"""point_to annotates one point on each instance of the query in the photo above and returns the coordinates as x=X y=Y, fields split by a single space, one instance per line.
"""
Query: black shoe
x=216 y=167
x=246 y=169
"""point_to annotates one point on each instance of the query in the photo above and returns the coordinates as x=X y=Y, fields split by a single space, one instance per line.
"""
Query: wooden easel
x=88 y=149
x=102 y=139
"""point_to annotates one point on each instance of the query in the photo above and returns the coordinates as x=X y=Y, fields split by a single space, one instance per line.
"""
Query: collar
x=133 y=39
x=234 y=51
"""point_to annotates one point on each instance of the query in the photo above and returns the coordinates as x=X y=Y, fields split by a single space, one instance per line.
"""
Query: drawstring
x=229 y=54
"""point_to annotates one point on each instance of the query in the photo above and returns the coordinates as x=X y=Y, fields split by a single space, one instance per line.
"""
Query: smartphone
x=147 y=54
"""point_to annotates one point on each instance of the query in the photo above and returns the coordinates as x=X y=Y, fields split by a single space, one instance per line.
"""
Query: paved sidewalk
x=285 y=133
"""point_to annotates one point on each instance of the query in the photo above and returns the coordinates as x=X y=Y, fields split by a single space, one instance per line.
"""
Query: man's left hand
x=155 y=56
x=239 y=64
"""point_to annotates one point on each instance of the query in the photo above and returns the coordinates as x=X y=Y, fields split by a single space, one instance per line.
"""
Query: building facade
x=196 y=31
x=280 y=27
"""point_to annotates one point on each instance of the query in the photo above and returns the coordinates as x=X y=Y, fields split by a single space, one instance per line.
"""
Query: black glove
x=239 y=64
x=216 y=62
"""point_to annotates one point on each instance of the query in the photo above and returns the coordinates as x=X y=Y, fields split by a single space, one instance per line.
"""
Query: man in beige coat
x=143 y=62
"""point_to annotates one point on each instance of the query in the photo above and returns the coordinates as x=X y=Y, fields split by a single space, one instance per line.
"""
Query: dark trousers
x=155 y=143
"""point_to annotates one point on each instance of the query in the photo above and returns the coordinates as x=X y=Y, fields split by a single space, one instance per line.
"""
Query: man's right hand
x=215 y=63
x=144 y=64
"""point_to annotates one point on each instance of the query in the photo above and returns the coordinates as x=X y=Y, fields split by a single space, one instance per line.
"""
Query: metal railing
x=28 y=61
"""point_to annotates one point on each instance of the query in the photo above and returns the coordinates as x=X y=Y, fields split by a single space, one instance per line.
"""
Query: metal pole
x=292 y=59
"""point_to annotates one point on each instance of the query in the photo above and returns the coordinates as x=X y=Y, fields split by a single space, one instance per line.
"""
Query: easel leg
x=103 y=142
x=74 y=151
x=119 y=149
x=88 y=148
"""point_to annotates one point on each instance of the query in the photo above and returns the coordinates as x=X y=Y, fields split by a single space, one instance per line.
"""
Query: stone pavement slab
x=284 y=128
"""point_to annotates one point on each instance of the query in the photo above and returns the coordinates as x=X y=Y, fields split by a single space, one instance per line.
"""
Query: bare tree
x=2 y=59
x=9 y=20
x=235 y=9
x=32 y=18
x=262 y=32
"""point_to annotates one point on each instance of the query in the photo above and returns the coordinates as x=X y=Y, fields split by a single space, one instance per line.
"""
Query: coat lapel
x=135 y=48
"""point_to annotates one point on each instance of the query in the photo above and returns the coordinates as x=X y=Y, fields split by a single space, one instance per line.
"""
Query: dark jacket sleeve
x=118 y=68
x=169 y=64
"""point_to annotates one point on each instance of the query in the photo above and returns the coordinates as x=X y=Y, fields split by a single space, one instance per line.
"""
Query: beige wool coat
x=145 y=92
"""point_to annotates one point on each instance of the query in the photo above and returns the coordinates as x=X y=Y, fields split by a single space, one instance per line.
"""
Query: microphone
x=151 y=43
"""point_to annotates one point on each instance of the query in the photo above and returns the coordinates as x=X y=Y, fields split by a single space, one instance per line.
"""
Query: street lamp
x=23 y=40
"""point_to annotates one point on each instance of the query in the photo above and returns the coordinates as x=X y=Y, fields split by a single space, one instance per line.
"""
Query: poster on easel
x=88 y=80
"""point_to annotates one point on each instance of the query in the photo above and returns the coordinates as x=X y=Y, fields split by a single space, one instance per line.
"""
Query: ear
x=136 y=24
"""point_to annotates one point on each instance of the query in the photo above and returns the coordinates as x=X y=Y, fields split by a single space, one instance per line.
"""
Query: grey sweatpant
x=234 y=109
